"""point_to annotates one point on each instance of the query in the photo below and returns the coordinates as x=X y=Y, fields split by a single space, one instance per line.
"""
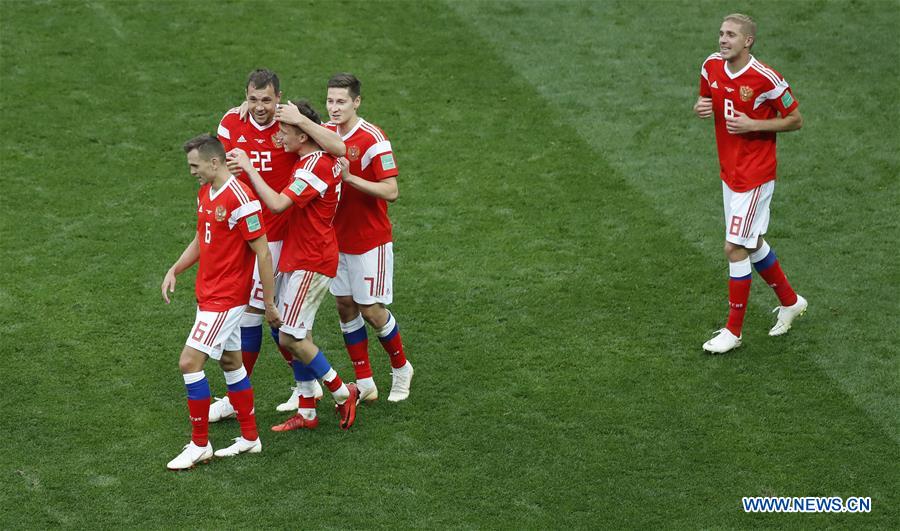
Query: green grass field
x=558 y=266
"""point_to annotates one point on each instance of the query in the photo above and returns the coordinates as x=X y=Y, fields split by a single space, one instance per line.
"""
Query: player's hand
x=740 y=123
x=244 y=110
x=703 y=108
x=168 y=285
x=345 y=168
x=272 y=316
x=237 y=160
x=289 y=114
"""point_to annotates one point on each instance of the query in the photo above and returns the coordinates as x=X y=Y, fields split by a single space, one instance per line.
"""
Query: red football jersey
x=273 y=163
x=362 y=221
x=226 y=220
x=310 y=243
x=758 y=91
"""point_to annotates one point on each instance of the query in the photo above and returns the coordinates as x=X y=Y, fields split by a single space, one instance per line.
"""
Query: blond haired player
x=750 y=103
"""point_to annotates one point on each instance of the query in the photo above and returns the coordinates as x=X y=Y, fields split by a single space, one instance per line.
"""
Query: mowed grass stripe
x=813 y=378
x=631 y=103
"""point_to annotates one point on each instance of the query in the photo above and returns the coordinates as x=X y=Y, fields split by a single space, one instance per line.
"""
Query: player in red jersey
x=230 y=239
x=750 y=102
x=364 y=282
x=252 y=127
x=308 y=262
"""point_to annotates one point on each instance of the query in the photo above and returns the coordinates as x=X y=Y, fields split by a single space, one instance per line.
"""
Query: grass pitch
x=558 y=266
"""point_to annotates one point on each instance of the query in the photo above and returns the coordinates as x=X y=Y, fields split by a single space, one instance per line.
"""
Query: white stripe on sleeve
x=243 y=211
x=311 y=179
x=222 y=132
x=773 y=94
x=377 y=149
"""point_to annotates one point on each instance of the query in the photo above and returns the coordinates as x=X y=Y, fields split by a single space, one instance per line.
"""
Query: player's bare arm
x=741 y=123
x=260 y=246
x=386 y=189
x=703 y=108
x=188 y=257
x=326 y=138
x=237 y=159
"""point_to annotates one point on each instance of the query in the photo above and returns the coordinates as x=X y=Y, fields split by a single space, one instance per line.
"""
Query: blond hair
x=748 y=25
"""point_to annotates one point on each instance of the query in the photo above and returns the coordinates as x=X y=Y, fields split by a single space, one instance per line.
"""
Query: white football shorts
x=256 y=292
x=368 y=277
x=747 y=214
x=299 y=297
x=215 y=332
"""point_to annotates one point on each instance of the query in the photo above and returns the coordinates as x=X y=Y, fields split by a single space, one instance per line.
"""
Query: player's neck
x=307 y=148
x=262 y=126
x=347 y=127
x=220 y=180
x=738 y=63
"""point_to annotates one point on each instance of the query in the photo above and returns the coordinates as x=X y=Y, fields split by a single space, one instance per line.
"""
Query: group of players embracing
x=288 y=209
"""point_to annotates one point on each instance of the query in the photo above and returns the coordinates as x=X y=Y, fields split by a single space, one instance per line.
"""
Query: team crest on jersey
x=276 y=139
x=353 y=153
x=746 y=93
x=220 y=213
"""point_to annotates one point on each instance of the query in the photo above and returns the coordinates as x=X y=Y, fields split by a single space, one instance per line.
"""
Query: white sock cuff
x=330 y=375
x=353 y=325
x=193 y=377
x=235 y=376
x=740 y=269
x=341 y=395
x=760 y=253
x=251 y=319
x=388 y=326
x=307 y=388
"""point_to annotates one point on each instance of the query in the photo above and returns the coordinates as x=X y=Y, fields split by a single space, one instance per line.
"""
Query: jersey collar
x=352 y=131
x=214 y=195
x=741 y=71
x=259 y=127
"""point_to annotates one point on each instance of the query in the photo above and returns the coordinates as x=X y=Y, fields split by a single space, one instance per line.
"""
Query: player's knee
x=347 y=309
x=188 y=365
x=230 y=364
x=375 y=314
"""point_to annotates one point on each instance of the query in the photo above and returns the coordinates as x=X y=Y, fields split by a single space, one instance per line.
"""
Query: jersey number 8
x=729 y=109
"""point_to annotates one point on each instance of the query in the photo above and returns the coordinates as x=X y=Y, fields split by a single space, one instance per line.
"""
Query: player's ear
x=356 y=102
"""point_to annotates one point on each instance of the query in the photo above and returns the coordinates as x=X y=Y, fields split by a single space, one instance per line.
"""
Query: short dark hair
x=262 y=78
x=207 y=146
x=306 y=109
x=348 y=81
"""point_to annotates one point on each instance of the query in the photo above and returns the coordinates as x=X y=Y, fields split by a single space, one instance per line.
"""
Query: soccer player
x=230 y=237
x=750 y=102
x=308 y=262
x=365 y=276
x=256 y=134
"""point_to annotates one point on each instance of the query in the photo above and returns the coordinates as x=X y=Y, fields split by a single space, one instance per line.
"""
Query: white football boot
x=722 y=342
x=368 y=392
x=293 y=403
x=401 y=379
x=190 y=456
x=241 y=445
x=221 y=409
x=786 y=316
